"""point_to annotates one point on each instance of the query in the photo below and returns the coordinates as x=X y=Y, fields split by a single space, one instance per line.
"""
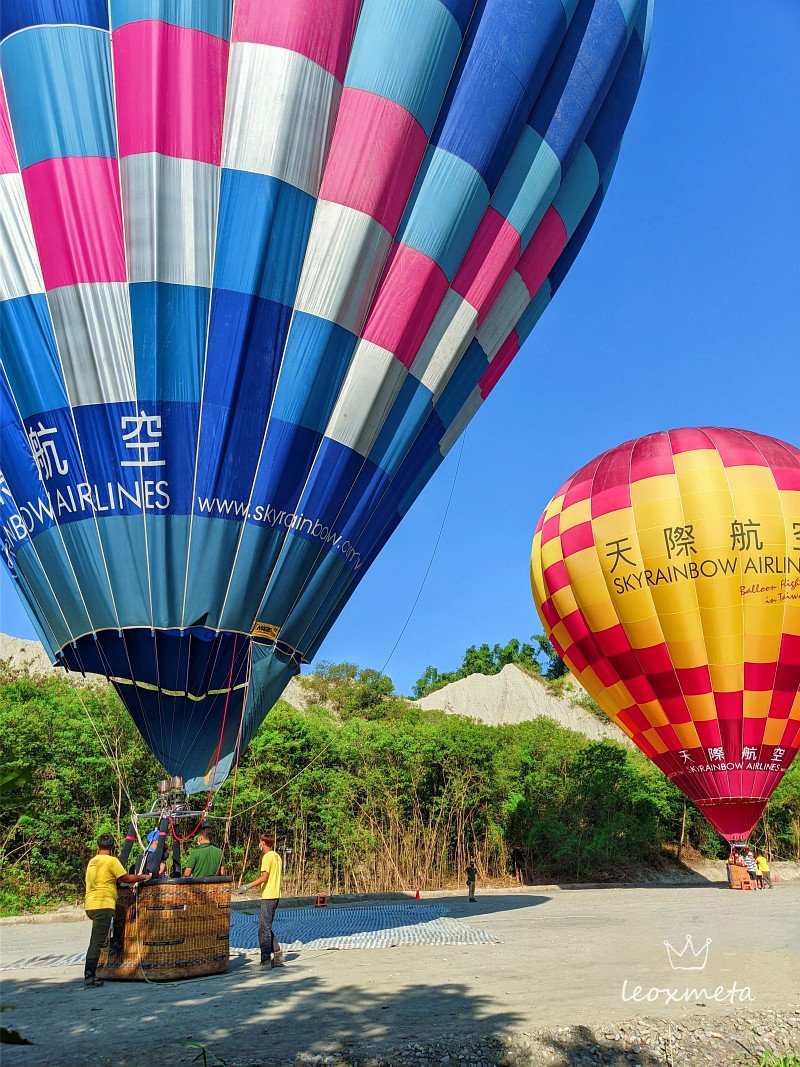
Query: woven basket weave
x=174 y=929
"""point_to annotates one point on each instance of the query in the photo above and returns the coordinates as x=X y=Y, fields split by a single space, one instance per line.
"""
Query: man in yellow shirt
x=270 y=879
x=102 y=875
x=762 y=869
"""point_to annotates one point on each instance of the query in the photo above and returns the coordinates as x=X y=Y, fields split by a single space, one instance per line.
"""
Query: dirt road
x=591 y=958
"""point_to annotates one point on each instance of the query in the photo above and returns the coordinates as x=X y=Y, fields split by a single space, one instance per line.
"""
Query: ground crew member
x=270 y=879
x=205 y=859
x=103 y=874
x=762 y=869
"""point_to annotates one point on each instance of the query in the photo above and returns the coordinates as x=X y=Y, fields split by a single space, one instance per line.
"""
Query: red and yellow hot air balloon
x=667 y=575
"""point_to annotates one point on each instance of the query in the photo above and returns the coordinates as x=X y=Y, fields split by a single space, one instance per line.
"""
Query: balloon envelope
x=667 y=575
x=261 y=263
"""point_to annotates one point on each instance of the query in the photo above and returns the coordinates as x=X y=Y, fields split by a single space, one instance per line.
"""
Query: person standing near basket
x=103 y=874
x=270 y=880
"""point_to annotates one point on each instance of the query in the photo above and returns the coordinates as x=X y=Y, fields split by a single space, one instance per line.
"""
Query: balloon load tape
x=264 y=633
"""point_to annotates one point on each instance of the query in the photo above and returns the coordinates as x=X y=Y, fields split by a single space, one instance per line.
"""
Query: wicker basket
x=174 y=929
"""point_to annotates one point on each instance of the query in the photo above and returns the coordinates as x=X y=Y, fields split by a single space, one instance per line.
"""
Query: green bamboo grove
x=367 y=793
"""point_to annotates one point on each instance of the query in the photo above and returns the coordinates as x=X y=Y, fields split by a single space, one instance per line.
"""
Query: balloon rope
x=325 y=747
x=433 y=555
x=193 y=831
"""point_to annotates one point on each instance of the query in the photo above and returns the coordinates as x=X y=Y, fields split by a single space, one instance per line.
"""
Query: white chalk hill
x=514 y=696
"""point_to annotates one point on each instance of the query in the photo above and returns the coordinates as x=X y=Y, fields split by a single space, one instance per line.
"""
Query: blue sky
x=682 y=309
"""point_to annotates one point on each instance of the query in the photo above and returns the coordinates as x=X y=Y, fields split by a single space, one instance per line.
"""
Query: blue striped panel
x=604 y=137
x=405 y=50
x=270 y=672
x=463 y=380
x=58 y=82
x=211 y=16
x=65 y=609
x=211 y=553
x=162 y=483
x=183 y=734
x=533 y=312
x=83 y=549
x=29 y=354
x=289 y=451
x=577 y=189
x=100 y=480
x=18 y=14
x=430 y=464
x=245 y=345
x=126 y=557
x=461 y=10
x=410 y=411
x=444 y=209
x=23 y=492
x=256 y=556
x=528 y=185
x=580 y=77
x=317 y=356
x=575 y=243
x=509 y=52
x=167 y=547
x=263 y=230
x=169 y=340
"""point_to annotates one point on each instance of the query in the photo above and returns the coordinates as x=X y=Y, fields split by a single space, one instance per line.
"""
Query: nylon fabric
x=265 y=263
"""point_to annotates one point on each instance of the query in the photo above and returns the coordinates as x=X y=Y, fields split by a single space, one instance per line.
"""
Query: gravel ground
x=696 y=1042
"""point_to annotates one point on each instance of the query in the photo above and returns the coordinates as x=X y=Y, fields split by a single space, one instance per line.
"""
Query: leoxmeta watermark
x=688 y=958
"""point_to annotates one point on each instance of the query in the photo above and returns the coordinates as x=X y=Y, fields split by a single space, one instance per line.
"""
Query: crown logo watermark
x=688 y=958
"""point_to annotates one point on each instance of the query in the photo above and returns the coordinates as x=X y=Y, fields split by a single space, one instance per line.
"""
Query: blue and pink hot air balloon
x=262 y=261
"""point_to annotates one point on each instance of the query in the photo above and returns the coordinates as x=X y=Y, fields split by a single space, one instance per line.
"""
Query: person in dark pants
x=270 y=879
x=103 y=873
x=472 y=874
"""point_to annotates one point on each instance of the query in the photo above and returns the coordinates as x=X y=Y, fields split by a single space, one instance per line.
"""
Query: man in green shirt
x=205 y=859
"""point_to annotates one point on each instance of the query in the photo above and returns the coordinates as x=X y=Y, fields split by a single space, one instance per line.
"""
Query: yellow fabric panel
x=651 y=490
x=655 y=740
x=702 y=707
x=686 y=654
x=581 y=564
x=697 y=459
x=654 y=713
x=560 y=636
x=721 y=622
x=750 y=478
x=726 y=677
x=724 y=652
x=551 y=552
x=645 y=633
x=681 y=627
x=564 y=601
x=791 y=615
x=576 y=514
x=599 y=615
x=687 y=734
x=615 y=698
x=756 y=703
x=773 y=731
x=794 y=712
x=537 y=580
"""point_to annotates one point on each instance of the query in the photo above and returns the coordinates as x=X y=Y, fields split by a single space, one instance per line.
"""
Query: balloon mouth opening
x=734 y=818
